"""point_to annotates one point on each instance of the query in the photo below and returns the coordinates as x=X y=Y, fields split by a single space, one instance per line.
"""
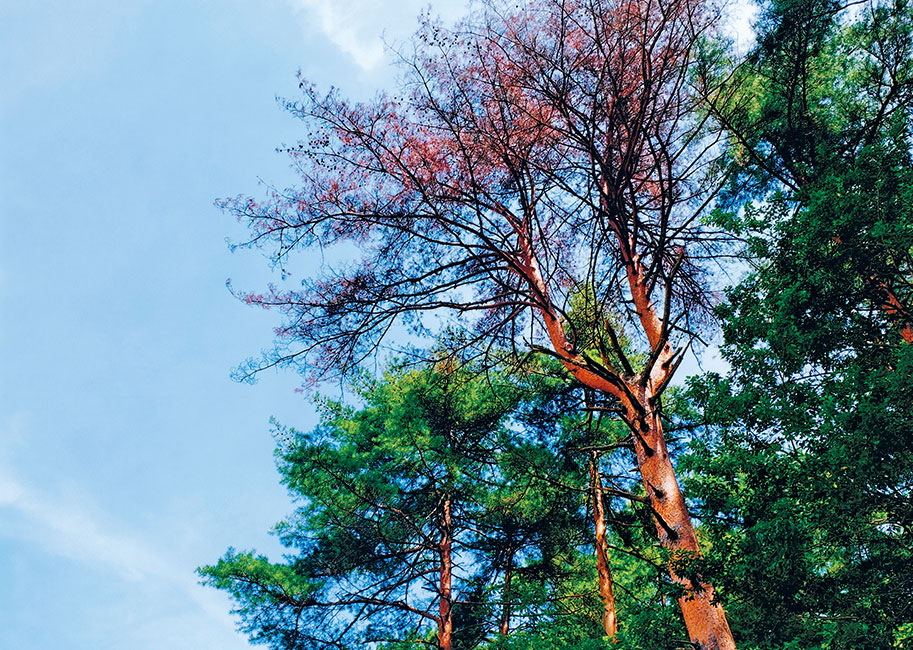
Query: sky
x=128 y=457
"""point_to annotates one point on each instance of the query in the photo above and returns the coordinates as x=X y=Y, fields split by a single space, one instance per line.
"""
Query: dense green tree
x=819 y=118
x=388 y=494
x=804 y=475
x=804 y=487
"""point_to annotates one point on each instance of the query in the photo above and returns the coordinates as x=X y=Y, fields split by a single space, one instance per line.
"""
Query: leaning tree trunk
x=639 y=396
x=603 y=568
x=704 y=618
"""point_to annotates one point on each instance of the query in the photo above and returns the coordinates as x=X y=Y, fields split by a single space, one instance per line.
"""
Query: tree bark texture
x=639 y=397
x=603 y=568
x=706 y=621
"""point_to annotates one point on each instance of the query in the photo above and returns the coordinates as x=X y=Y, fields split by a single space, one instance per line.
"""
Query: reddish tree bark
x=603 y=568
x=504 y=622
x=445 y=603
x=705 y=619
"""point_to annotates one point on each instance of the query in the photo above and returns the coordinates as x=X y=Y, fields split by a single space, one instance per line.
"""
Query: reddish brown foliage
x=540 y=154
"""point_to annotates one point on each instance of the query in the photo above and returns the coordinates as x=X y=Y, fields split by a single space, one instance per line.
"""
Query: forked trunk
x=705 y=619
x=445 y=605
x=603 y=569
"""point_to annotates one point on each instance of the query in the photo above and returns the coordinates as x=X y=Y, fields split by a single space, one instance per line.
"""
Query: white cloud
x=65 y=530
x=10 y=438
x=740 y=16
x=347 y=28
x=358 y=27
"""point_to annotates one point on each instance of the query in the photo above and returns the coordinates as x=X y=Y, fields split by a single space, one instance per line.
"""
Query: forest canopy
x=559 y=202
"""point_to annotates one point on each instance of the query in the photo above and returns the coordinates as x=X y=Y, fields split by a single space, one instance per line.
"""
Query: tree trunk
x=894 y=308
x=603 y=569
x=445 y=605
x=705 y=620
x=504 y=623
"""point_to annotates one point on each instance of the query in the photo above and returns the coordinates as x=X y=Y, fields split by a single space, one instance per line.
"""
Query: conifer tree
x=804 y=477
x=534 y=149
x=405 y=519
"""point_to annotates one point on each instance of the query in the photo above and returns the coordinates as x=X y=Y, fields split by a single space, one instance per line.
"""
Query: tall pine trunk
x=639 y=395
x=705 y=620
x=504 y=623
x=445 y=604
x=603 y=569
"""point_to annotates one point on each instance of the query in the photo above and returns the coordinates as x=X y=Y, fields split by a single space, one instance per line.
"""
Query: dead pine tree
x=537 y=154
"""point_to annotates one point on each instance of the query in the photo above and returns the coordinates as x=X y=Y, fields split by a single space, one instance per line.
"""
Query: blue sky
x=127 y=455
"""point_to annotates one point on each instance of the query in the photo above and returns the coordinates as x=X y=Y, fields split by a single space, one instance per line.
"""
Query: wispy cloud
x=358 y=27
x=70 y=527
x=741 y=15
x=346 y=26
x=64 y=530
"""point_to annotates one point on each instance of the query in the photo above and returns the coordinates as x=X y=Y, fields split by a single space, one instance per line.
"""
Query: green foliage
x=803 y=486
x=799 y=461
x=510 y=454
x=819 y=118
x=802 y=476
x=267 y=594
x=371 y=484
x=649 y=617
